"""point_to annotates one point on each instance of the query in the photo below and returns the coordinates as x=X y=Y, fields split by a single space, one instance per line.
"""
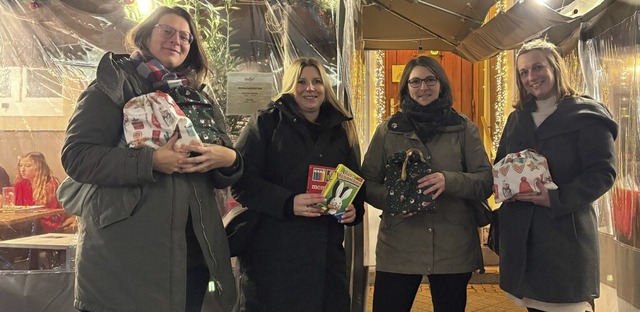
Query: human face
x=423 y=95
x=309 y=92
x=171 y=52
x=27 y=168
x=536 y=75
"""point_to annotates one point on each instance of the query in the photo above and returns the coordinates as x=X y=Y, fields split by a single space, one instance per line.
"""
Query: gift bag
x=403 y=195
x=151 y=119
x=517 y=173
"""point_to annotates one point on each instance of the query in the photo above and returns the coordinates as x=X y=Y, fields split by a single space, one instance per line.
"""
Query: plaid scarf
x=160 y=77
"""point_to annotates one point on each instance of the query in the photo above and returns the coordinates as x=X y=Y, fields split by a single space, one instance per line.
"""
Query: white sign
x=248 y=92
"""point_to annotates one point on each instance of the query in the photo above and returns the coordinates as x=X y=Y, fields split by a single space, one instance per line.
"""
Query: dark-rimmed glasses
x=417 y=82
x=168 y=32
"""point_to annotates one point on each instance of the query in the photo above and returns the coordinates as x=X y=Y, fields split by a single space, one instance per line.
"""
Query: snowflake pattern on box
x=403 y=195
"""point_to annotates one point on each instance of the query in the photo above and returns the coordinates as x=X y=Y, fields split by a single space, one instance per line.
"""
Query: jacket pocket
x=388 y=221
x=111 y=204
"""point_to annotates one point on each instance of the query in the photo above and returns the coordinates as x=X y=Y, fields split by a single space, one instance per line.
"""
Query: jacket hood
x=113 y=70
x=287 y=106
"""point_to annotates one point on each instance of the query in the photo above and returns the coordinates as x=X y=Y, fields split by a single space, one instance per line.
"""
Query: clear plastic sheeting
x=22 y=291
x=611 y=66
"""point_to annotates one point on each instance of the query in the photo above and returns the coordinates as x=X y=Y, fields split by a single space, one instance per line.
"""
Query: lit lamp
x=434 y=52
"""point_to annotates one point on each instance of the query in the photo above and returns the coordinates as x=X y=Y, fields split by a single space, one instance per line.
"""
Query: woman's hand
x=541 y=199
x=303 y=205
x=166 y=160
x=210 y=156
x=435 y=183
x=349 y=215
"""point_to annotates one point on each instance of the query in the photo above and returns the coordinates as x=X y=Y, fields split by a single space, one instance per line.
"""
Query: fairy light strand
x=380 y=99
x=501 y=88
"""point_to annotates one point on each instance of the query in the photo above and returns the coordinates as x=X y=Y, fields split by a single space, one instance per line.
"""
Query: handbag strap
x=403 y=174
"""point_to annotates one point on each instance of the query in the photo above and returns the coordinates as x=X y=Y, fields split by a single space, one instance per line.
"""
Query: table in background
x=66 y=243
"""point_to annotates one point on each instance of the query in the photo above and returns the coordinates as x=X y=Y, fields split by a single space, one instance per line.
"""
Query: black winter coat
x=551 y=254
x=293 y=263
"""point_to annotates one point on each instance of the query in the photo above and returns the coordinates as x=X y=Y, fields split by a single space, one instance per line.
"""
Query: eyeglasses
x=417 y=82
x=168 y=32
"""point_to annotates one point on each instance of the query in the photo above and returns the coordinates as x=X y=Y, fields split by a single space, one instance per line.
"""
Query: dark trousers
x=396 y=292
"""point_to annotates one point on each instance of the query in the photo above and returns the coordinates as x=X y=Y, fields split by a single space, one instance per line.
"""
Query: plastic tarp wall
x=611 y=67
x=49 y=52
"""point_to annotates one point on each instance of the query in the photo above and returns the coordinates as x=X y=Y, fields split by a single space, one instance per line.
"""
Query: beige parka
x=441 y=243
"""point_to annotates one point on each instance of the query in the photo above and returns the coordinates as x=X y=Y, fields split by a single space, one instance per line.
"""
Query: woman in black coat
x=548 y=241
x=296 y=260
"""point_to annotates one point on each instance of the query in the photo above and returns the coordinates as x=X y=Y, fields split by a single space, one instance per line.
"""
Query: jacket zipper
x=206 y=239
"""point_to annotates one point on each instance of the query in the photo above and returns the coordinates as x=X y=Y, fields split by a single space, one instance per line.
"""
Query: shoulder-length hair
x=550 y=52
x=437 y=70
x=43 y=175
x=290 y=80
x=196 y=60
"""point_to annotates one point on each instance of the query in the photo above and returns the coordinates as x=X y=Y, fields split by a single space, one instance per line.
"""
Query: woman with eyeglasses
x=150 y=236
x=445 y=245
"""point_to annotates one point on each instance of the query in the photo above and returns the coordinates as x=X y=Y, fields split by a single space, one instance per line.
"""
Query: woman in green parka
x=444 y=246
x=150 y=236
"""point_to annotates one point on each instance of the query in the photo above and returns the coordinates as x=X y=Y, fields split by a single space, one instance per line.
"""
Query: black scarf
x=429 y=119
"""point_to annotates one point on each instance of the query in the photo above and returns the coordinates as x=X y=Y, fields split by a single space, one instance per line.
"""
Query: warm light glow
x=380 y=99
x=145 y=7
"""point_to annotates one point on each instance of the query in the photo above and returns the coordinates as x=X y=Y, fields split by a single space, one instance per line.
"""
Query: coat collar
x=574 y=113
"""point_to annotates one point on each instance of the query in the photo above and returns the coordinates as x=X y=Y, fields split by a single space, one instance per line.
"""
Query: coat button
x=133 y=156
x=429 y=230
x=320 y=155
x=429 y=270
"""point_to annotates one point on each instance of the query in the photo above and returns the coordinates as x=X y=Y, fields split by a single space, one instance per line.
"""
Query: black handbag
x=482 y=213
x=240 y=224
x=493 y=240
x=403 y=195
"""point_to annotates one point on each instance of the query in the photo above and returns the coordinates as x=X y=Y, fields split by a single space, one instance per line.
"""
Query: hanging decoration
x=501 y=88
x=380 y=99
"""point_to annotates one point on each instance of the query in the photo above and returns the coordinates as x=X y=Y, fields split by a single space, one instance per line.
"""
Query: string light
x=380 y=99
x=501 y=88
x=501 y=98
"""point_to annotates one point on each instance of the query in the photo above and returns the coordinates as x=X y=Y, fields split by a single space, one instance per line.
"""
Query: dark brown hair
x=196 y=60
x=435 y=67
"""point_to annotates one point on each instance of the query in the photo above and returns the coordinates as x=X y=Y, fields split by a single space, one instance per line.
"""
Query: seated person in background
x=36 y=185
x=4 y=178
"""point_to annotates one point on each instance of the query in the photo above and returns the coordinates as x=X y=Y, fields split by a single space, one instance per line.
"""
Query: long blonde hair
x=550 y=52
x=290 y=79
x=42 y=176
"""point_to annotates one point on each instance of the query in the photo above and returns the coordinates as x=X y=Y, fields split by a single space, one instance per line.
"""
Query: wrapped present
x=151 y=119
x=403 y=195
x=517 y=173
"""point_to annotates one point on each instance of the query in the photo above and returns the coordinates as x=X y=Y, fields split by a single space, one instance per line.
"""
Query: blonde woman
x=296 y=261
x=36 y=185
